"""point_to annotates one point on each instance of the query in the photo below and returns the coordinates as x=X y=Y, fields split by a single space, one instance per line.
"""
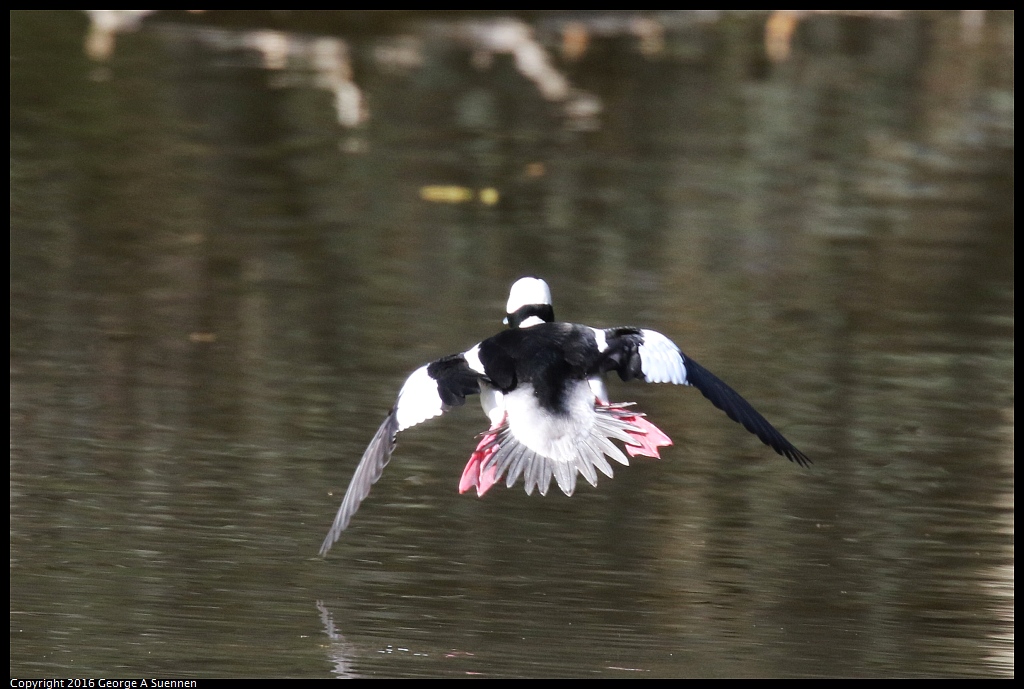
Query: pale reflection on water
x=218 y=283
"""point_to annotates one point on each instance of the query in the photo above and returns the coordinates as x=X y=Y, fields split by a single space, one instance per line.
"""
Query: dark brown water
x=230 y=246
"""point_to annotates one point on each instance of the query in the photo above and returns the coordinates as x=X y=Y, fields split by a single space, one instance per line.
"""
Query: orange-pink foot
x=475 y=474
x=647 y=439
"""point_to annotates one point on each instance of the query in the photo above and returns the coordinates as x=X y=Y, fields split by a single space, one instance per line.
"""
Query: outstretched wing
x=650 y=356
x=376 y=457
x=430 y=391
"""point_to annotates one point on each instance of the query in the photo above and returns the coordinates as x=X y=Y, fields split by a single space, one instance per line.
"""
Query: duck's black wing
x=430 y=391
x=650 y=356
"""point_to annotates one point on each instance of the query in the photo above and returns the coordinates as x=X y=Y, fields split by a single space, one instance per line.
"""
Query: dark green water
x=226 y=255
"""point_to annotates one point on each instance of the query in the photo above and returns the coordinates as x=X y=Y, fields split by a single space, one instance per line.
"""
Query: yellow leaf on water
x=438 y=193
x=489 y=196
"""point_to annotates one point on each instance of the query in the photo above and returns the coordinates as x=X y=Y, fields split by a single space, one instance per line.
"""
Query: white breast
x=555 y=436
x=493 y=403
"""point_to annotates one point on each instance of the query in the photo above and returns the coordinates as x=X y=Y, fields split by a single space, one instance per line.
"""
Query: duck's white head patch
x=527 y=292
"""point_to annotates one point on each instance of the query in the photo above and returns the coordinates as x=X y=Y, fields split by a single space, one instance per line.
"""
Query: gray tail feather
x=513 y=459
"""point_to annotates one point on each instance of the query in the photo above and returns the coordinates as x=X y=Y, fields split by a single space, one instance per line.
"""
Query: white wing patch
x=472 y=358
x=660 y=359
x=418 y=400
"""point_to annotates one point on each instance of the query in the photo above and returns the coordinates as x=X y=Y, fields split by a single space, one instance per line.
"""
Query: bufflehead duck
x=529 y=304
x=541 y=385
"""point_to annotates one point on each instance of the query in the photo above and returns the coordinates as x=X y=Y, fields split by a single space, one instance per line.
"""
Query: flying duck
x=541 y=385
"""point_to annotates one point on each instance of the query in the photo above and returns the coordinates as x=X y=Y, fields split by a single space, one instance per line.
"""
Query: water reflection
x=216 y=288
x=341 y=650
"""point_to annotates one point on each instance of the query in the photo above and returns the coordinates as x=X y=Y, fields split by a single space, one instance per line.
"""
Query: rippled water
x=229 y=246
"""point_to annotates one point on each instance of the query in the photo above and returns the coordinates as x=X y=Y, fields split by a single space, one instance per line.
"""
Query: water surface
x=230 y=245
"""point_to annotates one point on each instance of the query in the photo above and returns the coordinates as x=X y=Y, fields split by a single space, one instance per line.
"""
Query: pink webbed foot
x=646 y=439
x=648 y=442
x=475 y=474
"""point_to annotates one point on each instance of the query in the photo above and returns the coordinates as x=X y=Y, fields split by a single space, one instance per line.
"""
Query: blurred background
x=234 y=234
